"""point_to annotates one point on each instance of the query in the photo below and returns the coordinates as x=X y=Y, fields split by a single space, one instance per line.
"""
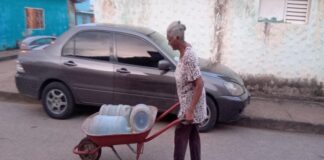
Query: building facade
x=277 y=46
x=84 y=12
x=24 y=18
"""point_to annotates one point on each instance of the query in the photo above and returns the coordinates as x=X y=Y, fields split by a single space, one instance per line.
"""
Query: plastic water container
x=108 y=125
x=141 y=118
x=116 y=110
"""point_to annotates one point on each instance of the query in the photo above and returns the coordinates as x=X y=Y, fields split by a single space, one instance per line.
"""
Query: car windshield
x=163 y=43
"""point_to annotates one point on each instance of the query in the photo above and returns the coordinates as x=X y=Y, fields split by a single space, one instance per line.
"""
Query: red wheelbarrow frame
x=139 y=139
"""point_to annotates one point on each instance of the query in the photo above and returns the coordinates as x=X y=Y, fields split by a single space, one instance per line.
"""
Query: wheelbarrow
x=90 y=147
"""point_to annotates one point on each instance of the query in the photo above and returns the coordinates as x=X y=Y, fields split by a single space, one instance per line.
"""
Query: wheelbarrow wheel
x=87 y=144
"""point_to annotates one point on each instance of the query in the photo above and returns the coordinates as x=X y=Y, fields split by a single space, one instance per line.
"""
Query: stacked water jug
x=121 y=119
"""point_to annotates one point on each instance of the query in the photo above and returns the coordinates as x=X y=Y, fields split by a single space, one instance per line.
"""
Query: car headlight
x=19 y=67
x=234 y=88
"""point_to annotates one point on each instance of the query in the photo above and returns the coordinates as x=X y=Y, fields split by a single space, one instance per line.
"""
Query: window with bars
x=34 y=18
x=284 y=11
x=297 y=11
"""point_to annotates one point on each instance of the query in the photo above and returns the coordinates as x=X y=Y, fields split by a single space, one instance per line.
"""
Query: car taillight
x=19 y=67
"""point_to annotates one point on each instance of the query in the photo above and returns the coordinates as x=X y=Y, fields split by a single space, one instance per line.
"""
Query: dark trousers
x=183 y=134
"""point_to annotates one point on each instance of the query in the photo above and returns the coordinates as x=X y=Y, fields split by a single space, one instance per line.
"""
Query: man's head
x=175 y=34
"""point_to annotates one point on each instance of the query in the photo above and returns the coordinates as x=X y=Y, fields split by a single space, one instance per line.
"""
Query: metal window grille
x=297 y=11
x=34 y=18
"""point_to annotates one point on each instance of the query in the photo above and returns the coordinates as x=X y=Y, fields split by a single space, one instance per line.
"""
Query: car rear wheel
x=57 y=101
x=212 y=115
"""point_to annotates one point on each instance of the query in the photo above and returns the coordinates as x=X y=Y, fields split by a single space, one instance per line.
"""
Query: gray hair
x=176 y=29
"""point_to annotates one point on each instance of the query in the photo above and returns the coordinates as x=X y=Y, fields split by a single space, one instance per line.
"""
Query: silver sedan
x=99 y=64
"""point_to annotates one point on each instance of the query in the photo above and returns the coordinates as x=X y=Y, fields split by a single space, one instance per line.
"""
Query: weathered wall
x=158 y=14
x=273 y=58
x=13 y=23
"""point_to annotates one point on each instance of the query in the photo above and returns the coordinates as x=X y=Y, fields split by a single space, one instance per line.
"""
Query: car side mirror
x=164 y=65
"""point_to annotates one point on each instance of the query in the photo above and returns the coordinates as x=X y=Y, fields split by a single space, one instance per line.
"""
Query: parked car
x=99 y=64
x=36 y=42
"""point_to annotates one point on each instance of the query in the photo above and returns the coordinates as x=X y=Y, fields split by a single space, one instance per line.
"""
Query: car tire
x=57 y=101
x=212 y=113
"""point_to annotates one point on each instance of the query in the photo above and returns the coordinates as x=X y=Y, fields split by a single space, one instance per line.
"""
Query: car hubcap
x=206 y=121
x=56 y=101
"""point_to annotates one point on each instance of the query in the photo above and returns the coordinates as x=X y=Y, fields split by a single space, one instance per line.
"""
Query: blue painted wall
x=13 y=19
x=84 y=6
x=82 y=18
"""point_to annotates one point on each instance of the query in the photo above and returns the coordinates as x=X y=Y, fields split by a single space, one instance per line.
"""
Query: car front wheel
x=57 y=101
x=212 y=114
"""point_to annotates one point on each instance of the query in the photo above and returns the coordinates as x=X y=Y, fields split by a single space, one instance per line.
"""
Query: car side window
x=136 y=51
x=68 y=49
x=42 y=41
x=90 y=44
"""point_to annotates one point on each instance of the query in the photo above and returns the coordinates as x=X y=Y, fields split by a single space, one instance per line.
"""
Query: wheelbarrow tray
x=116 y=139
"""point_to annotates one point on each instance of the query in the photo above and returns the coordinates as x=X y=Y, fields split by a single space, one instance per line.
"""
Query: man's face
x=172 y=42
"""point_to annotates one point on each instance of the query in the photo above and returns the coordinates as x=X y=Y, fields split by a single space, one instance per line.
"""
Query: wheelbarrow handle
x=173 y=123
x=175 y=106
x=77 y=151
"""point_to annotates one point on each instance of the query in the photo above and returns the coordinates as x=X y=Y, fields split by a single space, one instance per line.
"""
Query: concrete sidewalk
x=8 y=55
x=263 y=112
x=282 y=114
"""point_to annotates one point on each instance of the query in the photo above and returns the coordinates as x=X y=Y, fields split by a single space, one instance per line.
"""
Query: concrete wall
x=13 y=20
x=273 y=58
x=158 y=14
x=277 y=58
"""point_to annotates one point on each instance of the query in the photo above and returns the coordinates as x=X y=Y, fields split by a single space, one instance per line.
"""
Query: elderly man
x=191 y=94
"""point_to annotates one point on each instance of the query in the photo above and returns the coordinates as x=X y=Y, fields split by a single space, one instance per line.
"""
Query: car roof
x=121 y=27
x=55 y=48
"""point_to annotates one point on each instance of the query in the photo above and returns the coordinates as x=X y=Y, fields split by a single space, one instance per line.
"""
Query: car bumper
x=27 y=85
x=230 y=107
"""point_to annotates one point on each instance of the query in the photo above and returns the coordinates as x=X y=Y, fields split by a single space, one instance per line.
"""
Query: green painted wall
x=13 y=19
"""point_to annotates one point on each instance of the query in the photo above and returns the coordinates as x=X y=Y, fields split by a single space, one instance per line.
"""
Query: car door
x=137 y=77
x=87 y=67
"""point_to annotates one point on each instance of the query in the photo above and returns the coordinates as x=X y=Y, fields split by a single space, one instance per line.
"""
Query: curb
x=16 y=97
x=281 y=125
x=281 y=100
x=244 y=121
x=289 y=98
x=5 y=58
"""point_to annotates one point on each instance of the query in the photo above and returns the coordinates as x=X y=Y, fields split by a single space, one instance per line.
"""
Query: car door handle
x=70 y=63
x=122 y=70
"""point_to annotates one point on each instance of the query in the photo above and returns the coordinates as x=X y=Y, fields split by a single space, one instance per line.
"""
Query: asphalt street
x=7 y=78
x=27 y=133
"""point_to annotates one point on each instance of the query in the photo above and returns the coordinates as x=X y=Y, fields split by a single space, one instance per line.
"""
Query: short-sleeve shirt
x=186 y=72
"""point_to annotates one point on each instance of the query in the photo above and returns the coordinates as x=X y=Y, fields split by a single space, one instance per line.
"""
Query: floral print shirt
x=186 y=72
